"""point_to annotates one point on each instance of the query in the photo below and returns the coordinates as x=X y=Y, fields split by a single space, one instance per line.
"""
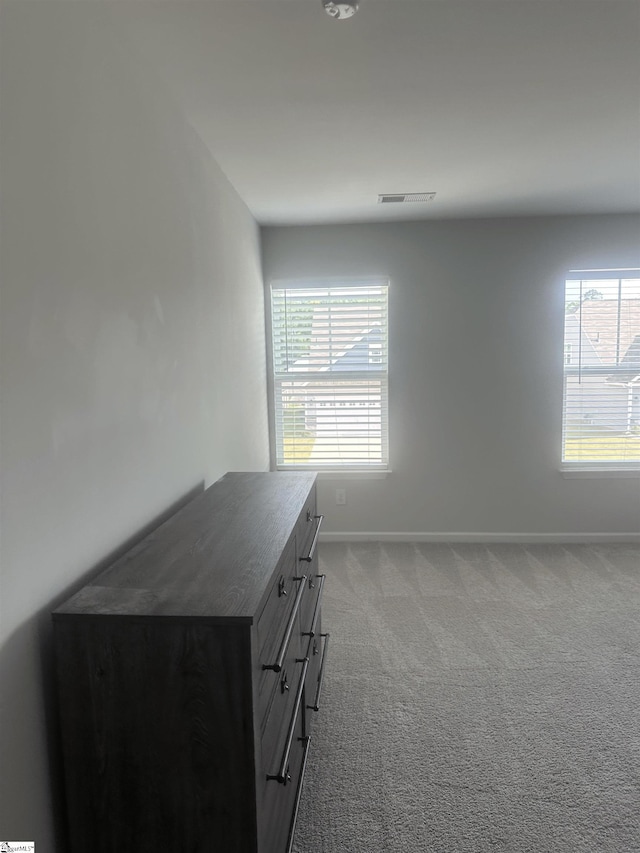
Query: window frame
x=575 y=366
x=334 y=468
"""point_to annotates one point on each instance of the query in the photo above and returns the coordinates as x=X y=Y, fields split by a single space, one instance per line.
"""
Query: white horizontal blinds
x=601 y=425
x=330 y=376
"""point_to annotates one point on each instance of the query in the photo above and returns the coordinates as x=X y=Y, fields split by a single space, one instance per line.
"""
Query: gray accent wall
x=476 y=364
x=132 y=348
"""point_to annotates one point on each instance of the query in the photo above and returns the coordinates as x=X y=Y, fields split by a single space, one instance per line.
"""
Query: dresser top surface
x=213 y=559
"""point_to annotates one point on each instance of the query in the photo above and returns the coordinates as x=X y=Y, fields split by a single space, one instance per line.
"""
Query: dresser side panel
x=158 y=737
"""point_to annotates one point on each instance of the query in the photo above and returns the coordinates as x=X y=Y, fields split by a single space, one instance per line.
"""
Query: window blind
x=330 y=376
x=601 y=411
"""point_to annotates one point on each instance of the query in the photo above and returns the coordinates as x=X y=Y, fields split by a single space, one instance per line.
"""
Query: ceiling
x=502 y=107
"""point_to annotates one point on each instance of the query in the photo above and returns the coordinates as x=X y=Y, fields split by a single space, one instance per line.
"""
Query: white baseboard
x=523 y=538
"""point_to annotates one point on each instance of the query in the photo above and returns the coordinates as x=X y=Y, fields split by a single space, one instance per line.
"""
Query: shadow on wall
x=36 y=700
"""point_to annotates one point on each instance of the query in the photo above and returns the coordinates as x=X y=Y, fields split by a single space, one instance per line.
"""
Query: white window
x=330 y=396
x=601 y=411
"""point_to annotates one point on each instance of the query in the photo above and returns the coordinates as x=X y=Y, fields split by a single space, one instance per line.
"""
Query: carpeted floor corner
x=477 y=698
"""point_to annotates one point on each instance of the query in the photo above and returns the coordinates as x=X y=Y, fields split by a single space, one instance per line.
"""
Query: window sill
x=346 y=474
x=353 y=475
x=599 y=473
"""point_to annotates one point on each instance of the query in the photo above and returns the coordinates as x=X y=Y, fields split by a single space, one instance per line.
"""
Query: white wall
x=476 y=356
x=130 y=273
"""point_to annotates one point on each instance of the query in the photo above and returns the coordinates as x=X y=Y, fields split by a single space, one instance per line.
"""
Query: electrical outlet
x=341 y=497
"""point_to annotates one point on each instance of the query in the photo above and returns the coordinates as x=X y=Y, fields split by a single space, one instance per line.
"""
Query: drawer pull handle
x=282 y=776
x=316 y=702
x=309 y=557
x=296 y=806
x=316 y=610
x=277 y=666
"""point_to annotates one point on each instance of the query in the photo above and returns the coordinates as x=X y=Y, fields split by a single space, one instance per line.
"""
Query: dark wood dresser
x=189 y=673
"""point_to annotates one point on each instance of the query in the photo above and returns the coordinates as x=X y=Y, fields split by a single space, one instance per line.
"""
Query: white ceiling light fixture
x=340 y=11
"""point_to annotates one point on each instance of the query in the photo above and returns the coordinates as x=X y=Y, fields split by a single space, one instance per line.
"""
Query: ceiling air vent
x=404 y=197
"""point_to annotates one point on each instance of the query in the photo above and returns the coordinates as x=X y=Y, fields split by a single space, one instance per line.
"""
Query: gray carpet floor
x=477 y=698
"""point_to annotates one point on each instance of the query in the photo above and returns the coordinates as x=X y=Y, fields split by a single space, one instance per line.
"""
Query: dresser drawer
x=281 y=711
x=312 y=602
x=279 y=637
x=311 y=697
x=272 y=619
x=306 y=525
x=282 y=782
